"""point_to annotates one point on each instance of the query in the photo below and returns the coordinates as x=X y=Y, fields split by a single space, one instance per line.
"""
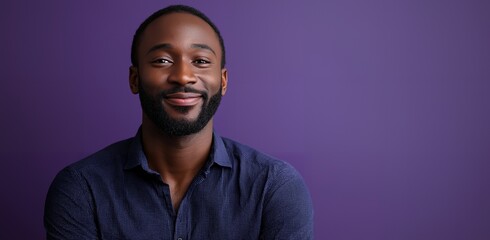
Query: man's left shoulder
x=280 y=187
x=256 y=161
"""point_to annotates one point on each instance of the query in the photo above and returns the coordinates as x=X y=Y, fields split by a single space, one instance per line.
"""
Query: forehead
x=180 y=30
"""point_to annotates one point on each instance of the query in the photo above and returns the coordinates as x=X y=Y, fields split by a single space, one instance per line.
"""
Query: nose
x=182 y=74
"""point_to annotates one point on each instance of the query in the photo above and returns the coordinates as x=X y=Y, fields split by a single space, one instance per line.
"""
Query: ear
x=224 y=81
x=133 y=79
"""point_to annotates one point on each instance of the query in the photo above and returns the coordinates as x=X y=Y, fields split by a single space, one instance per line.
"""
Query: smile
x=183 y=99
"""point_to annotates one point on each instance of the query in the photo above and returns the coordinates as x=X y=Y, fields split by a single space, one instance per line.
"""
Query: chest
x=209 y=209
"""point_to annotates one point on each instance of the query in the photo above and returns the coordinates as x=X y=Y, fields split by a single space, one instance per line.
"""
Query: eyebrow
x=164 y=46
x=161 y=46
x=203 y=46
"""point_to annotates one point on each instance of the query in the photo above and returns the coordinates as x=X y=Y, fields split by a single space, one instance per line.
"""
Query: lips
x=183 y=99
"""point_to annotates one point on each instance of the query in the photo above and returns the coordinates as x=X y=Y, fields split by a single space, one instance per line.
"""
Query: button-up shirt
x=240 y=193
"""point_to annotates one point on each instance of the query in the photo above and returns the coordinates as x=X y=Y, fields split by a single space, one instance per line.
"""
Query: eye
x=161 y=61
x=201 y=61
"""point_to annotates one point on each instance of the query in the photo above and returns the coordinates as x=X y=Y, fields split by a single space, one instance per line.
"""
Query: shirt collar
x=219 y=154
x=136 y=156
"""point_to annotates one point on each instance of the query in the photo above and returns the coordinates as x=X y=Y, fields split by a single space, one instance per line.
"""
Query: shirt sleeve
x=68 y=213
x=288 y=210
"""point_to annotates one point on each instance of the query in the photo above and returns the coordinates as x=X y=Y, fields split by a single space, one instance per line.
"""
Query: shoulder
x=70 y=203
x=251 y=156
x=112 y=156
x=281 y=187
x=258 y=164
x=103 y=164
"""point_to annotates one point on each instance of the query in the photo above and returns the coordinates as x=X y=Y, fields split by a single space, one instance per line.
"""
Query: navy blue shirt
x=239 y=194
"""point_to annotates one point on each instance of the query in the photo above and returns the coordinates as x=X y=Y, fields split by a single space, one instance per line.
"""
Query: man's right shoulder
x=111 y=157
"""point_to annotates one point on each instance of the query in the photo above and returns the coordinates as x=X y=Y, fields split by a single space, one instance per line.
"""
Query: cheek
x=151 y=73
x=148 y=88
x=210 y=81
x=215 y=87
x=151 y=80
x=215 y=80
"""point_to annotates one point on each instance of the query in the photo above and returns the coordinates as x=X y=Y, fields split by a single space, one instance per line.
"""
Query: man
x=177 y=179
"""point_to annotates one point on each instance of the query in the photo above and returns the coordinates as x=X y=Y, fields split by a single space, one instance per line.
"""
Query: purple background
x=383 y=106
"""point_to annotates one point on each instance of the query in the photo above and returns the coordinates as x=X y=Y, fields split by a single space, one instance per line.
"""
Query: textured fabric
x=239 y=194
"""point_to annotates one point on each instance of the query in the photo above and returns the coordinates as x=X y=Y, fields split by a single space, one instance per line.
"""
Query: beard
x=154 y=109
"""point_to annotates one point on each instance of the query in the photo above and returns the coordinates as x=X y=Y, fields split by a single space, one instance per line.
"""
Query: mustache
x=163 y=94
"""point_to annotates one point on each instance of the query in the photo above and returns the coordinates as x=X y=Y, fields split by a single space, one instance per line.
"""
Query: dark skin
x=178 y=49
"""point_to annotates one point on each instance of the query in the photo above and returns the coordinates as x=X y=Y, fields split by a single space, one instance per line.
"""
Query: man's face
x=179 y=77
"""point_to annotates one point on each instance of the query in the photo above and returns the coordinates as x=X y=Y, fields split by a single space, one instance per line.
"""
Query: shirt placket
x=182 y=221
x=164 y=193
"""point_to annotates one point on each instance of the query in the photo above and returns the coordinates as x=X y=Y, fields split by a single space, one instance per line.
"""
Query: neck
x=176 y=158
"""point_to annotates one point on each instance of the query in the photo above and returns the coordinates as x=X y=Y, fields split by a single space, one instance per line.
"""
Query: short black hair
x=168 y=10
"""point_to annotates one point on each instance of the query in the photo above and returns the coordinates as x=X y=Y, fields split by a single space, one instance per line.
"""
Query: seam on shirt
x=277 y=177
x=83 y=189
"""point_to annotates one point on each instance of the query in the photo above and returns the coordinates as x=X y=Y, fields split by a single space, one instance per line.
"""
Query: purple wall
x=384 y=107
